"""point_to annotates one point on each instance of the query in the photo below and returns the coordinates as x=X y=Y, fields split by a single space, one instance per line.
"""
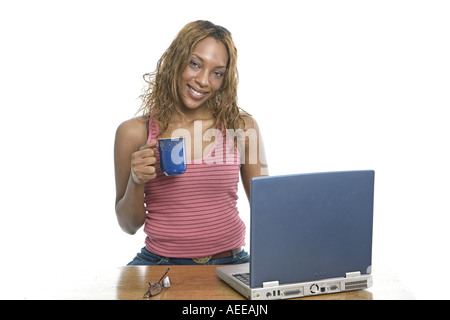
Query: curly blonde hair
x=160 y=97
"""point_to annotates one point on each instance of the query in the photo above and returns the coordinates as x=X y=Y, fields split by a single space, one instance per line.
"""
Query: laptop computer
x=310 y=234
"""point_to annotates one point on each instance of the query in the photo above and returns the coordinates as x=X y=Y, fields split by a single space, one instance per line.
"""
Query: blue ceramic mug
x=172 y=155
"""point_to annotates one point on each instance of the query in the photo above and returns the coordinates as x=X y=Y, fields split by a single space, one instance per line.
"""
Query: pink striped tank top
x=195 y=214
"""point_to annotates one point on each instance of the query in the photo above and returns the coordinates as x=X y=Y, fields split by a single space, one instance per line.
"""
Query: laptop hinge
x=270 y=284
x=353 y=274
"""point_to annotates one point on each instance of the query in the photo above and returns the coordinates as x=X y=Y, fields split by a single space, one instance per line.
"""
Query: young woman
x=190 y=218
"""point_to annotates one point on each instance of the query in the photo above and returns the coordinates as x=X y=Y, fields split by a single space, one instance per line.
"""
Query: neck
x=191 y=115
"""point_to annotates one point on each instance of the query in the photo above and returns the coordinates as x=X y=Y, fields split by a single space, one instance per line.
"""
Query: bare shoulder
x=133 y=131
x=249 y=122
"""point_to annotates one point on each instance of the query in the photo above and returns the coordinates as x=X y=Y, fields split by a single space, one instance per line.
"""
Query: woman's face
x=204 y=73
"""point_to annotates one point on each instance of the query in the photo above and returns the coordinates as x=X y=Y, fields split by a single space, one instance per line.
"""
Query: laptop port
x=314 y=288
x=333 y=287
x=291 y=292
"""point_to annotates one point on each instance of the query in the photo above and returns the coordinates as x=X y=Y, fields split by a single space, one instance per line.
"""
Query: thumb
x=148 y=145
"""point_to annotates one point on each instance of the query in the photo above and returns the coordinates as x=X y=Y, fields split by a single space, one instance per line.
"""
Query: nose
x=202 y=78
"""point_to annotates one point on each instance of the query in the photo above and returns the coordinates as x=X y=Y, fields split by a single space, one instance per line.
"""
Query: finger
x=146 y=153
x=148 y=177
x=144 y=173
x=147 y=170
x=148 y=173
x=148 y=145
x=149 y=161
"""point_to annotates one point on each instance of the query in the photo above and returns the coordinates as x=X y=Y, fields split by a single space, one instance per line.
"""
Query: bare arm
x=255 y=164
x=133 y=163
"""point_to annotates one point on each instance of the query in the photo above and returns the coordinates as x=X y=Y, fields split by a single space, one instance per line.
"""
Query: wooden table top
x=188 y=283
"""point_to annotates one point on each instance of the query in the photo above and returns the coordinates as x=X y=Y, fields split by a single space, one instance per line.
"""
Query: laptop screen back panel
x=308 y=227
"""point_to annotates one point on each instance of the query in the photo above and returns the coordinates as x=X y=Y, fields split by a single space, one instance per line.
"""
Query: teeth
x=195 y=92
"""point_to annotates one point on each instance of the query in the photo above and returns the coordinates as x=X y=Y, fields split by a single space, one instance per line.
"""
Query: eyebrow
x=200 y=58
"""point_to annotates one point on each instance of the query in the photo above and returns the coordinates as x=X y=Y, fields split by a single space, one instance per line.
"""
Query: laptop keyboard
x=243 y=277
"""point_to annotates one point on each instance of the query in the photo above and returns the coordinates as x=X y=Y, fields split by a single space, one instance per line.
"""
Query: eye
x=219 y=74
x=194 y=64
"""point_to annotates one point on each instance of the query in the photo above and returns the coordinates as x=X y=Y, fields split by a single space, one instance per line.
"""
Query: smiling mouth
x=197 y=93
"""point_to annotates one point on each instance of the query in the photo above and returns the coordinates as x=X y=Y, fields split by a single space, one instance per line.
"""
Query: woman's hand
x=142 y=163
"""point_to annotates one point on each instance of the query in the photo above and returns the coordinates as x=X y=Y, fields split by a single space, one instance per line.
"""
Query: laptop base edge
x=273 y=291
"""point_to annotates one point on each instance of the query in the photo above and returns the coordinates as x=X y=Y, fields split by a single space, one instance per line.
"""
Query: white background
x=334 y=85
